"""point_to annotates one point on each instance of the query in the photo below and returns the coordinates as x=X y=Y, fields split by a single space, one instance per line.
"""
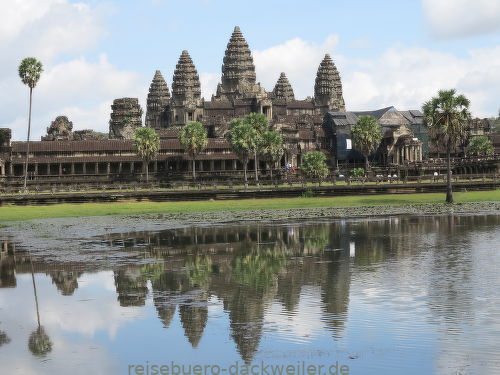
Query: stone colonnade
x=122 y=167
x=408 y=153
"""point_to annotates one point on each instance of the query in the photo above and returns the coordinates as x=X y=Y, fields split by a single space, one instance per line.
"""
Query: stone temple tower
x=186 y=103
x=157 y=102
x=238 y=70
x=283 y=89
x=328 y=87
x=126 y=117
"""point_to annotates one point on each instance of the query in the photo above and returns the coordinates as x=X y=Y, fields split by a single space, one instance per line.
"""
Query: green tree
x=39 y=342
x=447 y=117
x=480 y=146
x=314 y=165
x=260 y=124
x=272 y=148
x=30 y=70
x=366 y=136
x=147 y=145
x=242 y=138
x=194 y=139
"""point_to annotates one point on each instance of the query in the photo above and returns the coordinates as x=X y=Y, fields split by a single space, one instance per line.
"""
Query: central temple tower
x=238 y=71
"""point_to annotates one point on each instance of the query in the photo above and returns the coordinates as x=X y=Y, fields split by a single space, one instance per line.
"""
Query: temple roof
x=328 y=83
x=186 y=82
x=377 y=113
x=158 y=90
x=238 y=70
x=283 y=89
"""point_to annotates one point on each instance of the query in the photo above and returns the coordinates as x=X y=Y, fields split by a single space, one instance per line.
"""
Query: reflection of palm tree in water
x=39 y=342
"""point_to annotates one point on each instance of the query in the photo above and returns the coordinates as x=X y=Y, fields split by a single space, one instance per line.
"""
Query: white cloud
x=401 y=76
x=459 y=18
x=299 y=59
x=77 y=87
x=406 y=77
x=46 y=28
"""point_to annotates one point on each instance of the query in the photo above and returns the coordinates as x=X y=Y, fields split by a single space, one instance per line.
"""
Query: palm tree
x=39 y=342
x=260 y=124
x=241 y=136
x=272 y=148
x=147 y=145
x=193 y=137
x=366 y=136
x=30 y=70
x=447 y=117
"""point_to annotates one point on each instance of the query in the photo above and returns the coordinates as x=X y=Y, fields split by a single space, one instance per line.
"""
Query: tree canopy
x=314 y=165
x=480 y=146
x=366 y=136
x=30 y=71
x=147 y=145
x=272 y=147
x=243 y=140
x=447 y=117
x=193 y=137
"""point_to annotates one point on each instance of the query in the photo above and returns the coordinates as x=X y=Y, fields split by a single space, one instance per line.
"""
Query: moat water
x=413 y=295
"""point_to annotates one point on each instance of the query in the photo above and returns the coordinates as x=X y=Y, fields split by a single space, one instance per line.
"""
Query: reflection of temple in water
x=66 y=281
x=250 y=267
x=131 y=287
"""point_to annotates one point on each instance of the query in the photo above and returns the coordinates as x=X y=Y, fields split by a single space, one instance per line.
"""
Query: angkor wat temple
x=320 y=123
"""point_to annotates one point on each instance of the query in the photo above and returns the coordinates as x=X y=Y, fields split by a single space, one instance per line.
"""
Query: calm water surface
x=415 y=295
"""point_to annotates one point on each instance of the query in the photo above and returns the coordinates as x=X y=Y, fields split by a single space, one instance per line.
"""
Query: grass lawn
x=18 y=213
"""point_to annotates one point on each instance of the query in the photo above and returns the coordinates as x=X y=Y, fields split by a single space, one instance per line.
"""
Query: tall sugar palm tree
x=259 y=124
x=30 y=70
x=147 y=145
x=242 y=138
x=366 y=136
x=193 y=137
x=447 y=116
x=272 y=148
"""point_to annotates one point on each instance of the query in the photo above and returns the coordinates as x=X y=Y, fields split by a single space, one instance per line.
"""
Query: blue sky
x=388 y=52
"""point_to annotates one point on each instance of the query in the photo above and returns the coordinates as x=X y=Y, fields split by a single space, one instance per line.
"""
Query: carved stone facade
x=400 y=143
x=328 y=87
x=126 y=117
x=158 y=100
x=60 y=129
x=187 y=104
x=283 y=89
x=238 y=93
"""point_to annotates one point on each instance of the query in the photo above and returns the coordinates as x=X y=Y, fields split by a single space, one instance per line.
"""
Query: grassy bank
x=19 y=213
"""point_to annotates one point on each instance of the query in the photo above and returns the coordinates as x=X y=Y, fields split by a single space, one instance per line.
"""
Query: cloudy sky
x=388 y=52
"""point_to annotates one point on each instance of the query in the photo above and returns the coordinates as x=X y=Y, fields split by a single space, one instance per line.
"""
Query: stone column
x=11 y=169
x=200 y=165
x=108 y=168
x=131 y=167
x=36 y=169
x=235 y=165
x=120 y=167
x=60 y=169
x=223 y=165
x=72 y=168
x=84 y=168
x=212 y=165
